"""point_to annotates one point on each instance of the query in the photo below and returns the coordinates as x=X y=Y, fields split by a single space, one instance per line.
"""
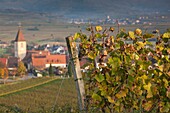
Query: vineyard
x=125 y=72
x=47 y=97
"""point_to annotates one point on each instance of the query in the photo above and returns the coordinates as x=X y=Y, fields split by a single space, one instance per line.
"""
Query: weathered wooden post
x=73 y=54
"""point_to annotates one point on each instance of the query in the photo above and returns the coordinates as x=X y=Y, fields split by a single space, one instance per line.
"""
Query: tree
x=21 y=70
x=50 y=70
x=124 y=79
x=4 y=74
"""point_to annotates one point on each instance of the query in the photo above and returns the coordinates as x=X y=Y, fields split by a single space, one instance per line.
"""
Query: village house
x=3 y=61
x=3 y=44
x=32 y=59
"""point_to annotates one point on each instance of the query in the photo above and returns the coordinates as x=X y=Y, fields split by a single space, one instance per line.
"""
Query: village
x=31 y=61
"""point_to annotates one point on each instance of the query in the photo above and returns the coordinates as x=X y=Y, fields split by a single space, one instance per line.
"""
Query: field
x=41 y=98
x=44 y=29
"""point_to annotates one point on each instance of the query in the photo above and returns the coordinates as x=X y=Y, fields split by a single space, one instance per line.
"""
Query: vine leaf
x=111 y=100
x=148 y=88
x=121 y=94
x=166 y=35
x=138 y=31
x=147 y=106
x=98 y=28
x=140 y=45
x=98 y=35
x=91 y=55
x=99 y=77
x=147 y=35
x=132 y=35
x=77 y=35
x=96 y=97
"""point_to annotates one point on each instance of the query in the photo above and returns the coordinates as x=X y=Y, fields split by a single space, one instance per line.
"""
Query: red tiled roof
x=13 y=62
x=20 y=36
x=56 y=59
x=35 y=52
x=3 y=61
x=38 y=62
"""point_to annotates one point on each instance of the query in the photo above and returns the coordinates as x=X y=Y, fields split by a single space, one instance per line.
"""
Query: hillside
x=90 y=8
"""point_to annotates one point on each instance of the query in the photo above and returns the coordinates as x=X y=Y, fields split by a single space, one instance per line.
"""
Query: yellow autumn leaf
x=159 y=48
x=135 y=56
x=148 y=105
x=168 y=73
x=98 y=28
x=91 y=55
x=144 y=77
x=166 y=35
x=148 y=88
x=132 y=35
x=121 y=94
x=111 y=100
x=165 y=83
x=161 y=68
x=76 y=36
x=168 y=94
x=140 y=45
x=138 y=31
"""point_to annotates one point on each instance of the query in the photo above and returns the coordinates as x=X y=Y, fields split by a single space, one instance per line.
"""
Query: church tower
x=20 y=47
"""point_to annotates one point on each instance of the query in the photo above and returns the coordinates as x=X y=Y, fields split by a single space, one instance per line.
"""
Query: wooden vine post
x=75 y=64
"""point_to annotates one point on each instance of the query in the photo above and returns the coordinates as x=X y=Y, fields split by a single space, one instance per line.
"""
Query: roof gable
x=20 y=36
x=3 y=61
x=13 y=62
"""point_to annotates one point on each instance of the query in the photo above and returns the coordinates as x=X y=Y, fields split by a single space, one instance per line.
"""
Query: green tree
x=21 y=70
x=50 y=70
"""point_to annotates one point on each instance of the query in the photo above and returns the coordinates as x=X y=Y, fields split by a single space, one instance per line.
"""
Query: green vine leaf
x=96 y=97
x=98 y=35
x=91 y=55
x=99 y=78
x=147 y=106
x=147 y=35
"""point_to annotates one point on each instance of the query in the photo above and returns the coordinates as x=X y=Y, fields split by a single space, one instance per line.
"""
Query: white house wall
x=55 y=65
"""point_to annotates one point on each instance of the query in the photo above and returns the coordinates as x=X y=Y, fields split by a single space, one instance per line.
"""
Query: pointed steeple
x=20 y=36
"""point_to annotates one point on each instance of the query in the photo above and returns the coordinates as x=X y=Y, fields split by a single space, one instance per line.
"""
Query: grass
x=21 y=84
x=41 y=98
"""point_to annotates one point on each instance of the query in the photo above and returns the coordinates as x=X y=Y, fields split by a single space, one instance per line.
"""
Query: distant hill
x=89 y=8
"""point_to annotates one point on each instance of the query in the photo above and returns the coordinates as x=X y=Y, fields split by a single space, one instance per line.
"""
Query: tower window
x=22 y=45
